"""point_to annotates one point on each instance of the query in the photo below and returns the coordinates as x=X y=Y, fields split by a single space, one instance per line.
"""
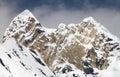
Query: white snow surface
x=18 y=61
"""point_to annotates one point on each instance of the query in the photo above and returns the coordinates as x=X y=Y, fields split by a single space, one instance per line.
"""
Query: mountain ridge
x=86 y=48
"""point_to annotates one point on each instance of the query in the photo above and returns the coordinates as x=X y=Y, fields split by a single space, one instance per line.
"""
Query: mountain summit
x=21 y=24
x=86 y=49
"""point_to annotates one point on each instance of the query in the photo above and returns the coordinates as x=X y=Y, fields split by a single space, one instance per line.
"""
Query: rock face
x=87 y=48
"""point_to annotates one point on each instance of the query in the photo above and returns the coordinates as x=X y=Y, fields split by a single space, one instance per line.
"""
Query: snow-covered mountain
x=86 y=49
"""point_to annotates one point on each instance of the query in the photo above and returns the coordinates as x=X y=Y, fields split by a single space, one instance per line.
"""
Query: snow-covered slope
x=18 y=61
x=86 y=49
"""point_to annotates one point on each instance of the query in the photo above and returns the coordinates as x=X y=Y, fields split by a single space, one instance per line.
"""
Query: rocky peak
x=87 y=46
x=21 y=25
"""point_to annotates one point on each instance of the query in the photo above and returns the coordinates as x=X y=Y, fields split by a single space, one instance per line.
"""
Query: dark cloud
x=69 y=4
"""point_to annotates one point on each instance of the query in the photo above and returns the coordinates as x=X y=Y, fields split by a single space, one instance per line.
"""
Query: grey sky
x=51 y=18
